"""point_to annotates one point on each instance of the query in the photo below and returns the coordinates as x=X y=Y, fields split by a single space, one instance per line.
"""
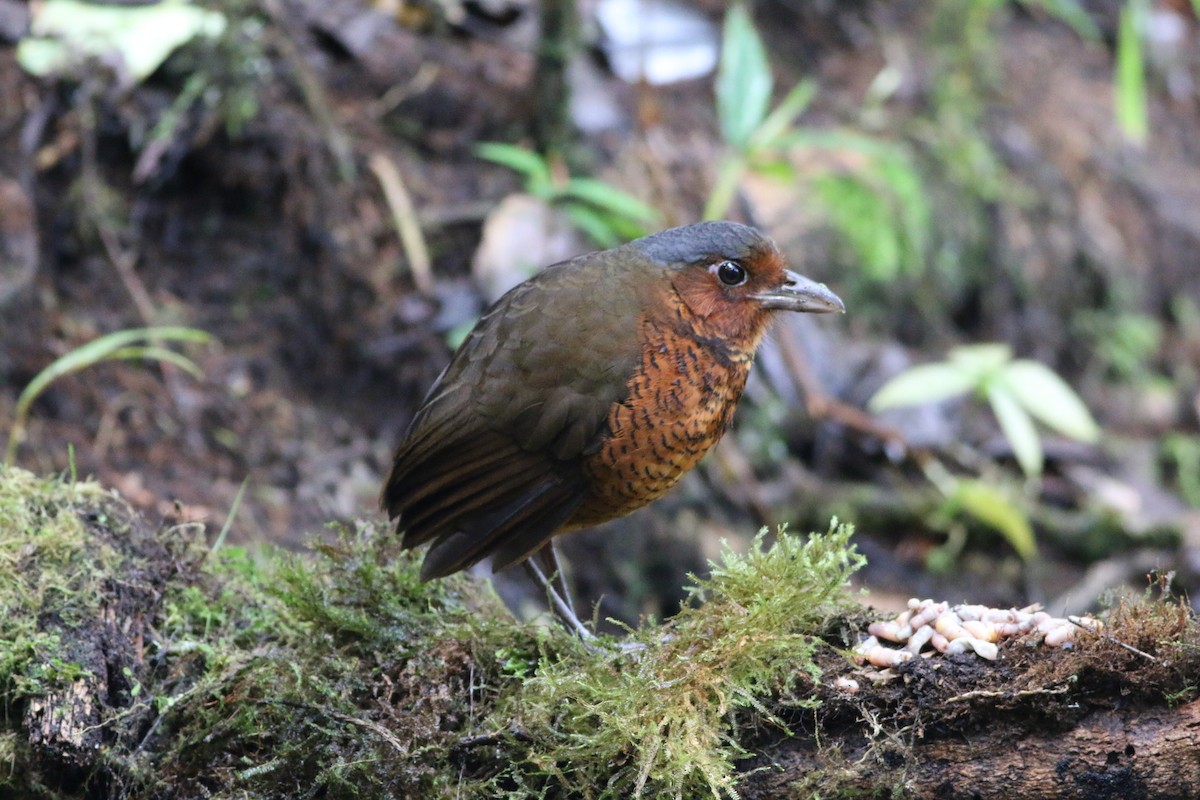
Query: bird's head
x=732 y=279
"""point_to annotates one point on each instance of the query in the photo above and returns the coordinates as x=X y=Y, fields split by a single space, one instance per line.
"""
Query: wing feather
x=491 y=464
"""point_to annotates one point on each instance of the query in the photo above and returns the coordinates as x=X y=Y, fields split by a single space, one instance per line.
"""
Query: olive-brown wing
x=491 y=463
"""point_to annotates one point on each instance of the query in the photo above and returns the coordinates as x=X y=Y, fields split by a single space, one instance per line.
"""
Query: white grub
x=968 y=612
x=881 y=656
x=846 y=684
x=919 y=639
x=887 y=630
x=1060 y=636
x=981 y=648
x=949 y=625
x=866 y=644
x=1006 y=629
x=927 y=613
x=939 y=642
x=984 y=631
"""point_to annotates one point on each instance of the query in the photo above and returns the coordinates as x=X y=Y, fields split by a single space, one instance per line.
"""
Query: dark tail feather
x=538 y=514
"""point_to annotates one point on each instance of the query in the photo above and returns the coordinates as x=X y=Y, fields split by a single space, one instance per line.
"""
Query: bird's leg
x=560 y=603
x=548 y=555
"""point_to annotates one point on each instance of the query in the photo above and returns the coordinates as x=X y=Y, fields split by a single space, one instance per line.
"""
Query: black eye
x=731 y=273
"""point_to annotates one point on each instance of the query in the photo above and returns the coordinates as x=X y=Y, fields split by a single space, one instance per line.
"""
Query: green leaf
x=724 y=190
x=774 y=168
x=521 y=160
x=980 y=359
x=924 y=383
x=993 y=508
x=1046 y=396
x=591 y=222
x=743 y=80
x=1074 y=15
x=101 y=349
x=131 y=343
x=779 y=121
x=1130 y=80
x=66 y=34
x=865 y=220
x=159 y=354
x=1018 y=428
x=610 y=198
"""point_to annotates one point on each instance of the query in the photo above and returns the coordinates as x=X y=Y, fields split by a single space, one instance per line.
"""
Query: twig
x=981 y=694
x=375 y=728
x=1077 y=623
x=821 y=405
x=405 y=218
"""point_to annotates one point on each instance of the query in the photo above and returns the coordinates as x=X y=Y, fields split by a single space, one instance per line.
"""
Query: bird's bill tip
x=798 y=293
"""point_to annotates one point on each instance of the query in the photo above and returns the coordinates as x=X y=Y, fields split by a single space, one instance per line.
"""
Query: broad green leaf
x=610 y=198
x=980 y=359
x=1018 y=428
x=65 y=34
x=1130 y=80
x=518 y=159
x=743 y=79
x=924 y=383
x=993 y=508
x=1046 y=396
x=779 y=121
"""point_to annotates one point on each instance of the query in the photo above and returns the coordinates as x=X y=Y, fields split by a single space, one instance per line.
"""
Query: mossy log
x=1139 y=752
x=138 y=661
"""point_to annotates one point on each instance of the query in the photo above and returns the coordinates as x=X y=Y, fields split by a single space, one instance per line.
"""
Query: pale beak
x=798 y=293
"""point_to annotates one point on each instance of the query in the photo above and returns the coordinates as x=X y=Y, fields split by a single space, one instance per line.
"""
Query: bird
x=587 y=392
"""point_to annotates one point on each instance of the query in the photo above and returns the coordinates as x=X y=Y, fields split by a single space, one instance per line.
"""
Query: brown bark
x=1109 y=754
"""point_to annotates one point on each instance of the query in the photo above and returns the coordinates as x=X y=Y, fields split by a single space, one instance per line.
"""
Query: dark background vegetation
x=960 y=177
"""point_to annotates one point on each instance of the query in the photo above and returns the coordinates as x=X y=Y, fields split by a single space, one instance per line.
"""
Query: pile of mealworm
x=963 y=628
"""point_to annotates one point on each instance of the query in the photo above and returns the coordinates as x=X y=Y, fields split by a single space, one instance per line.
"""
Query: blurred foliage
x=989 y=501
x=1122 y=342
x=869 y=188
x=67 y=37
x=218 y=56
x=876 y=200
x=127 y=345
x=602 y=211
x=1018 y=391
x=1071 y=12
x=755 y=139
x=1181 y=457
x=1129 y=82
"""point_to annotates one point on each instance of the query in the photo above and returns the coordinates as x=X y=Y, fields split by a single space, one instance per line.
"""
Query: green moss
x=48 y=565
x=341 y=675
x=661 y=721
